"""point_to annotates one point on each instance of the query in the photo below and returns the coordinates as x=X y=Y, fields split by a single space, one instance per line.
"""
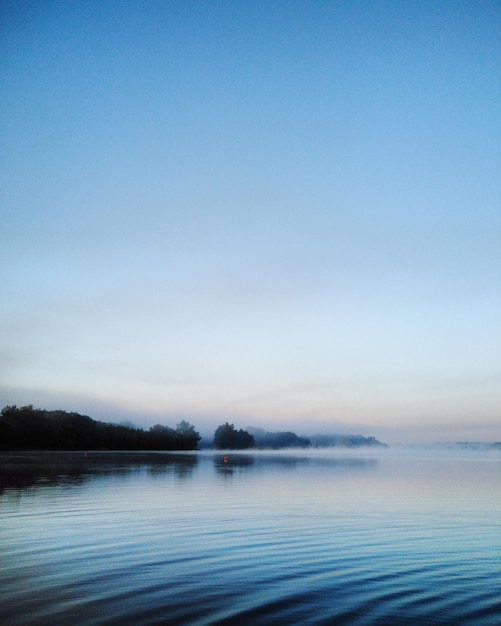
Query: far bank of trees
x=278 y=439
x=344 y=441
x=227 y=437
x=26 y=428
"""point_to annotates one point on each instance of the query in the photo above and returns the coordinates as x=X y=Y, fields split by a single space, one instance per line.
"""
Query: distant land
x=28 y=428
x=287 y=439
x=279 y=440
x=476 y=445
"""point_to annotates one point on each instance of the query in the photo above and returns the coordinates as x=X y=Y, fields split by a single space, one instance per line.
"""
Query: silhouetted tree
x=186 y=432
x=227 y=437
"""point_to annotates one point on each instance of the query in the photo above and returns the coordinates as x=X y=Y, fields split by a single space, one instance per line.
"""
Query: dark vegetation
x=227 y=437
x=344 y=441
x=26 y=428
x=286 y=439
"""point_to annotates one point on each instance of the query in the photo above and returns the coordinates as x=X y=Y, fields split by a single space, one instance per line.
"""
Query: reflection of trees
x=180 y=464
x=339 y=463
x=231 y=463
x=235 y=463
x=23 y=470
x=38 y=469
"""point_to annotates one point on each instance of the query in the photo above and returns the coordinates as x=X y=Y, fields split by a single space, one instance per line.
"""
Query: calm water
x=393 y=537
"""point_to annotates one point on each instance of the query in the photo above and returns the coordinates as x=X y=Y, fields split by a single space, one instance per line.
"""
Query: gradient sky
x=283 y=214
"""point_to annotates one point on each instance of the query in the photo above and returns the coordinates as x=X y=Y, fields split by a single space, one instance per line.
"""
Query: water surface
x=389 y=537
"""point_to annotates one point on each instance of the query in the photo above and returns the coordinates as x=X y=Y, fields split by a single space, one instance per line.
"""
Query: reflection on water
x=229 y=538
x=228 y=464
x=30 y=469
x=235 y=463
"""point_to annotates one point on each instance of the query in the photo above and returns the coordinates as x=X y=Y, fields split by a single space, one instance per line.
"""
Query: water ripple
x=284 y=542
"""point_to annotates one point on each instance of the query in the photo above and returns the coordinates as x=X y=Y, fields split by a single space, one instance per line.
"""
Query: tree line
x=227 y=437
x=26 y=428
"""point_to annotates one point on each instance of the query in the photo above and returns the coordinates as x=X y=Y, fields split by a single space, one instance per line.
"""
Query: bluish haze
x=284 y=214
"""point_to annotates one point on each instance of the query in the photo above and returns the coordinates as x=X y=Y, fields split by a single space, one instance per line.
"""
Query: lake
x=392 y=536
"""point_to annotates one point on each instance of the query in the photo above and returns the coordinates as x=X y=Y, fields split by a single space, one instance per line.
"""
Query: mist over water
x=400 y=536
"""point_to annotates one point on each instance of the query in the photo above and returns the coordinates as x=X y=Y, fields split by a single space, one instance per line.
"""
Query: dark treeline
x=227 y=437
x=26 y=428
x=278 y=439
x=344 y=441
x=287 y=439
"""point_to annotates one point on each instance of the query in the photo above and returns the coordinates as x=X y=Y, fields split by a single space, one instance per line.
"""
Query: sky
x=278 y=214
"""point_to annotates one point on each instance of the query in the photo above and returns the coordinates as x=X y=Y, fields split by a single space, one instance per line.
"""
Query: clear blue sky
x=283 y=214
